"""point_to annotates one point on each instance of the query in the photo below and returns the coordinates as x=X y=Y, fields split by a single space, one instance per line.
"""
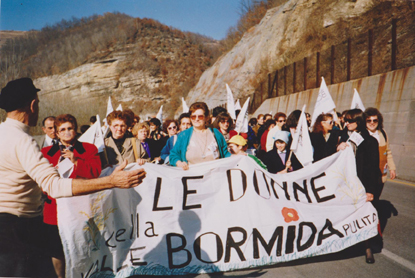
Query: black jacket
x=367 y=161
x=323 y=148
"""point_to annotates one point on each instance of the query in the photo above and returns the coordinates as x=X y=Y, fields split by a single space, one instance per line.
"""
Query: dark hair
x=200 y=105
x=84 y=128
x=183 y=115
x=318 y=127
x=131 y=115
x=253 y=121
x=357 y=116
x=371 y=111
x=93 y=119
x=224 y=116
x=217 y=110
x=155 y=122
x=48 y=118
x=279 y=115
x=119 y=115
x=65 y=118
x=268 y=123
x=292 y=120
x=266 y=115
x=237 y=112
x=344 y=113
x=167 y=123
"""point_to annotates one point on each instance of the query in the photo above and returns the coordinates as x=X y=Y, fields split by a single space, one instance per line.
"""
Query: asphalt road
x=394 y=257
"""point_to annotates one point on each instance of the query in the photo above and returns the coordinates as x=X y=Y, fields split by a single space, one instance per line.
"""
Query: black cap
x=17 y=94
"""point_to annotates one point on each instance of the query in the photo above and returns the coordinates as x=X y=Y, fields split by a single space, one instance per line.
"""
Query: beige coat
x=114 y=157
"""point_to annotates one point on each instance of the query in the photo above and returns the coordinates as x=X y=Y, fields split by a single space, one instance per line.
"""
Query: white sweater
x=22 y=169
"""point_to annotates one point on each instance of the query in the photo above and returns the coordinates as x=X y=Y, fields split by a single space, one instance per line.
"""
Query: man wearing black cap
x=25 y=173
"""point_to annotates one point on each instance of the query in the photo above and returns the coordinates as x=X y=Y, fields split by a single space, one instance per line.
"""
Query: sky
x=211 y=18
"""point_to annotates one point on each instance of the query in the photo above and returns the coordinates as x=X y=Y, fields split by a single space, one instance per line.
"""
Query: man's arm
x=118 y=179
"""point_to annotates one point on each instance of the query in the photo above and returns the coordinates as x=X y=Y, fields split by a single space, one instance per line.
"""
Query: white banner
x=217 y=216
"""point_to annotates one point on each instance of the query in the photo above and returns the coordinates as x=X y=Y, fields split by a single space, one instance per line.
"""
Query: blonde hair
x=139 y=126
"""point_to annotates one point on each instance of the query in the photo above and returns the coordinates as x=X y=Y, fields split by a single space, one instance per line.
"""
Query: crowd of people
x=195 y=137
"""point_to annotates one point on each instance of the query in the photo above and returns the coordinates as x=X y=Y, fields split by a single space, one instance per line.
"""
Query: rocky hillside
x=139 y=63
x=300 y=28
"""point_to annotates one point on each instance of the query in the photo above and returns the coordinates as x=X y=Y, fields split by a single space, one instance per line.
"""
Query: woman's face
x=350 y=124
x=280 y=145
x=142 y=134
x=172 y=129
x=224 y=125
x=66 y=133
x=372 y=123
x=198 y=119
x=327 y=124
x=118 y=128
x=185 y=124
x=281 y=121
x=153 y=127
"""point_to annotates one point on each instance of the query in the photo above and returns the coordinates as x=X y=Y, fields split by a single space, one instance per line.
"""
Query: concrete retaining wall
x=393 y=93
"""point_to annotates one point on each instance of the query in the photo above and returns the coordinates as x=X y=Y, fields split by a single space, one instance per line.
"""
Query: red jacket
x=88 y=166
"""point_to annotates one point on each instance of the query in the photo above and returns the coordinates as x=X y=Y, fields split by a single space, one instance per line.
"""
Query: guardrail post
x=305 y=73
x=332 y=65
x=318 y=70
x=294 y=75
x=370 y=53
x=394 y=44
x=349 y=55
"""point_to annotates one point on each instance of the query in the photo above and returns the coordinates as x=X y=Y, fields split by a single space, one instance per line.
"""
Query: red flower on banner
x=289 y=214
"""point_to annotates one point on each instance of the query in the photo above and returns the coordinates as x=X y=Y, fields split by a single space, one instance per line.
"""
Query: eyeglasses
x=329 y=122
x=282 y=121
x=350 y=121
x=172 y=127
x=375 y=121
x=197 y=117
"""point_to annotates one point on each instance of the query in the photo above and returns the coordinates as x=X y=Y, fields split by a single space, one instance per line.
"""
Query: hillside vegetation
x=176 y=58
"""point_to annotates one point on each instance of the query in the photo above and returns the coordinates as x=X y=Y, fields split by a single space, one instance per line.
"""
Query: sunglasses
x=172 y=127
x=375 y=121
x=282 y=121
x=197 y=117
x=350 y=121
x=329 y=122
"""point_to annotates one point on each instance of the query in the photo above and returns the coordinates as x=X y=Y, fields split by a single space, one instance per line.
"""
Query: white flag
x=237 y=105
x=230 y=102
x=324 y=103
x=241 y=125
x=185 y=107
x=160 y=114
x=109 y=107
x=301 y=145
x=94 y=136
x=119 y=108
x=357 y=101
